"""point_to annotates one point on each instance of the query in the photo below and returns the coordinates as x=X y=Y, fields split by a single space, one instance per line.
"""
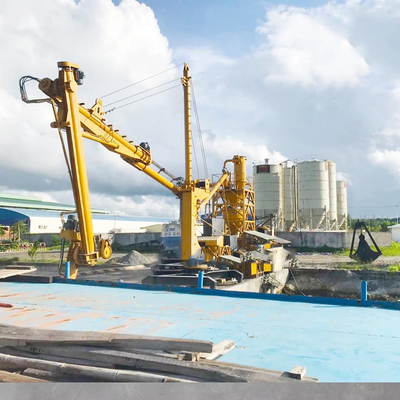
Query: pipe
x=200 y=280
x=364 y=291
x=67 y=270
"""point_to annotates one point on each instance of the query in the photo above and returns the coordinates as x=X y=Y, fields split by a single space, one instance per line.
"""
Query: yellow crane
x=81 y=123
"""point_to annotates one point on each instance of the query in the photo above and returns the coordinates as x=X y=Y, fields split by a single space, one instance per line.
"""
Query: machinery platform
x=335 y=343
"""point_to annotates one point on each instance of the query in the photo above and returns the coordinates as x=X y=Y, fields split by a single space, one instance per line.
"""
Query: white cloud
x=301 y=49
x=323 y=80
x=39 y=195
x=203 y=58
x=138 y=206
x=226 y=147
x=115 y=46
x=343 y=176
x=389 y=159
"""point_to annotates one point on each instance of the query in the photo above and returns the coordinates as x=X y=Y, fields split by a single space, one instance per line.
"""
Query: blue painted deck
x=335 y=343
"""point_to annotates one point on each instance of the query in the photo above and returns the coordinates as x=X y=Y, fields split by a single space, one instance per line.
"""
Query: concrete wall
x=33 y=237
x=123 y=239
x=126 y=239
x=336 y=240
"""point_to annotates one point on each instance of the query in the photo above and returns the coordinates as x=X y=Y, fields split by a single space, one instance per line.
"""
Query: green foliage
x=360 y=267
x=1 y=230
x=19 y=228
x=55 y=240
x=390 y=251
x=11 y=245
x=394 y=268
x=9 y=260
x=375 y=224
x=32 y=251
x=319 y=250
x=3 y=248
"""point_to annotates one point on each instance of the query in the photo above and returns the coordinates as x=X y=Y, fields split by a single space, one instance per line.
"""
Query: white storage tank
x=290 y=193
x=341 y=189
x=332 y=195
x=268 y=190
x=313 y=193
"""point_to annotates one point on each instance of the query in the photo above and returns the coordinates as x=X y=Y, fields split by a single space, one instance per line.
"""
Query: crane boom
x=80 y=122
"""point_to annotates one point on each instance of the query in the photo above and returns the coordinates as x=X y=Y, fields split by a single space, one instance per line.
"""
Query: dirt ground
x=46 y=263
x=47 y=255
x=334 y=261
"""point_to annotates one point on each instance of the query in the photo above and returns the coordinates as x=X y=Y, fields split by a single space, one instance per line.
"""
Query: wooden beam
x=139 y=361
x=212 y=371
x=102 y=374
x=297 y=372
x=19 y=336
x=219 y=350
x=17 y=378
x=15 y=270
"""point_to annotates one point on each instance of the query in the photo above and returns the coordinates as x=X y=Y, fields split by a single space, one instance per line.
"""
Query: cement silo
x=341 y=189
x=313 y=194
x=268 y=190
x=289 y=195
x=332 y=196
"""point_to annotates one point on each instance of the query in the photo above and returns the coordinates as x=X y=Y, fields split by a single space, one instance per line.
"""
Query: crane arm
x=80 y=122
x=137 y=156
x=94 y=128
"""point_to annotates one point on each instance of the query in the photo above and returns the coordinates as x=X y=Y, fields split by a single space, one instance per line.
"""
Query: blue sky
x=228 y=25
x=273 y=79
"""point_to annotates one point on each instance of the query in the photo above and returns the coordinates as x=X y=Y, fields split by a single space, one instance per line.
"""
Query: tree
x=1 y=230
x=19 y=228
x=56 y=240
x=32 y=251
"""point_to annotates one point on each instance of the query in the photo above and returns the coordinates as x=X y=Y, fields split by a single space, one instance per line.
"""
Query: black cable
x=290 y=270
x=199 y=132
x=143 y=80
x=144 y=91
x=24 y=94
x=146 y=97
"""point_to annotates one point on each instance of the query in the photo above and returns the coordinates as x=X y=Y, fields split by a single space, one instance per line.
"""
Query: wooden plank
x=17 y=378
x=103 y=374
x=21 y=353
x=29 y=279
x=257 y=373
x=297 y=372
x=212 y=371
x=139 y=361
x=19 y=336
x=219 y=350
x=12 y=271
x=55 y=377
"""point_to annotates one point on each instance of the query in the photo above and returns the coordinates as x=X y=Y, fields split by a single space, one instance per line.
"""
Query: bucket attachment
x=364 y=253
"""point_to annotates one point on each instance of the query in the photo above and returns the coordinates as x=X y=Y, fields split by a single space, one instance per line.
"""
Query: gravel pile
x=135 y=258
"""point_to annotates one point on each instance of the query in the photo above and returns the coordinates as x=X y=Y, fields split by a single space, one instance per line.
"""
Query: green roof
x=35 y=203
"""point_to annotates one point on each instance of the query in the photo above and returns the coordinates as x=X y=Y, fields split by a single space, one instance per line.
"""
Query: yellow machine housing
x=234 y=198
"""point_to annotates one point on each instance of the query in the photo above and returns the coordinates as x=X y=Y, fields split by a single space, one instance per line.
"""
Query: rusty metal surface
x=336 y=344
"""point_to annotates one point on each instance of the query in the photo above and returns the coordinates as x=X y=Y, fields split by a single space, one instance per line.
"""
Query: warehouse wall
x=123 y=239
x=336 y=240
x=126 y=239
x=53 y=225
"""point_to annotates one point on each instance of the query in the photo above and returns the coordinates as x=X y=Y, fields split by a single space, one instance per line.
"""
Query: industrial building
x=300 y=196
x=44 y=217
x=42 y=221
